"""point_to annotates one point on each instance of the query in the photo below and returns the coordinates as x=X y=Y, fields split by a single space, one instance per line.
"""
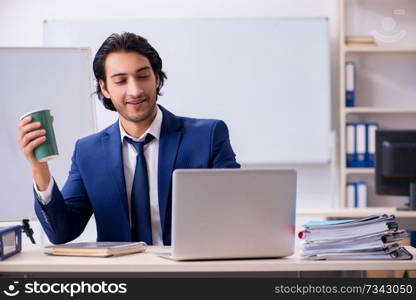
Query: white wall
x=21 y=24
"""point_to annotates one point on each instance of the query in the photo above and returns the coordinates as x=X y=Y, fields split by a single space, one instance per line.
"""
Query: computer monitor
x=395 y=170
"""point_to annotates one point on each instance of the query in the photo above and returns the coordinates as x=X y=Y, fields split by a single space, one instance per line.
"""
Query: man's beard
x=136 y=119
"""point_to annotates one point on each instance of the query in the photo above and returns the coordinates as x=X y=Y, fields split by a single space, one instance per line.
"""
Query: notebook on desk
x=232 y=213
x=100 y=249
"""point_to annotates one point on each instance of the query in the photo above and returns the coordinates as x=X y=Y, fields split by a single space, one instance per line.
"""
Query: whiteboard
x=268 y=79
x=35 y=78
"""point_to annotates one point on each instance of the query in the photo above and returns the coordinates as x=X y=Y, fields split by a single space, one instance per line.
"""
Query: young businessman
x=123 y=173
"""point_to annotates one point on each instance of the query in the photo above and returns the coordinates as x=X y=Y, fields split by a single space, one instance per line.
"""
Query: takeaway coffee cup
x=48 y=149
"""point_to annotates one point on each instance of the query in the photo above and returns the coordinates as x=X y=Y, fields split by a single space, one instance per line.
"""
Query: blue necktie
x=141 y=228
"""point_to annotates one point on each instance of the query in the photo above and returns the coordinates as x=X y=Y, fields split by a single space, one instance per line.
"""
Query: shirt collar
x=154 y=128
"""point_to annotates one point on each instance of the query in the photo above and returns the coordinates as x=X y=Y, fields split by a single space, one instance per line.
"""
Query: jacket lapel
x=170 y=136
x=112 y=147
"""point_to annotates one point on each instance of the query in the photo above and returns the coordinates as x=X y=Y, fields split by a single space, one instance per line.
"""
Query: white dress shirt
x=151 y=153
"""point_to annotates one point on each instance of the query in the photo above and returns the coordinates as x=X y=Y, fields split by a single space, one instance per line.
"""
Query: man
x=123 y=174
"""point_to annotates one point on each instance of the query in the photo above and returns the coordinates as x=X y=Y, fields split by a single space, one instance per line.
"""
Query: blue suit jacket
x=95 y=183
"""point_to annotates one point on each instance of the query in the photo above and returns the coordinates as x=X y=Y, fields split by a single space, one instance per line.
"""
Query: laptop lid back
x=233 y=213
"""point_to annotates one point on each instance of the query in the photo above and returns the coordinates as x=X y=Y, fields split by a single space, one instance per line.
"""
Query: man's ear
x=104 y=89
x=157 y=82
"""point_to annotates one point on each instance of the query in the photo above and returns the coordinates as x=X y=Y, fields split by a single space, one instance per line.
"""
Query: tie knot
x=139 y=145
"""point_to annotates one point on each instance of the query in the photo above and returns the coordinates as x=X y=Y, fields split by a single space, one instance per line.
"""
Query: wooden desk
x=33 y=261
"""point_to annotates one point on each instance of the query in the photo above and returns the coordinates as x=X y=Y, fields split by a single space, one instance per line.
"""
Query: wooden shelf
x=353 y=171
x=378 y=110
x=376 y=49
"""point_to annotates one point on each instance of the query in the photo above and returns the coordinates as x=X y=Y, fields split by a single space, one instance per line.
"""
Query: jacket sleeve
x=64 y=218
x=222 y=153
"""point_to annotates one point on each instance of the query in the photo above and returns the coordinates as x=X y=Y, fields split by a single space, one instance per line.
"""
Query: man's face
x=131 y=85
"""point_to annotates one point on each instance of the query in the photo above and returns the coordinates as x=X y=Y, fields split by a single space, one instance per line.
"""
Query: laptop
x=233 y=213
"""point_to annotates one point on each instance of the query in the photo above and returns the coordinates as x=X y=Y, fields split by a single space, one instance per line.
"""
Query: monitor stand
x=411 y=205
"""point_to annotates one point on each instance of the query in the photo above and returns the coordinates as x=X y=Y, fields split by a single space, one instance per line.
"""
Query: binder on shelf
x=361 y=193
x=351 y=142
x=349 y=84
x=351 y=194
x=361 y=142
x=371 y=144
x=357 y=194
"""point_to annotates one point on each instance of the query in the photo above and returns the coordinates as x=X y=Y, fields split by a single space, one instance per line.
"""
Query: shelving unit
x=385 y=78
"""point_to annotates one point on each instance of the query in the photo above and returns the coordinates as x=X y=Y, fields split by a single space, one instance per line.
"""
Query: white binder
x=350 y=144
x=361 y=144
x=350 y=194
x=371 y=136
x=362 y=192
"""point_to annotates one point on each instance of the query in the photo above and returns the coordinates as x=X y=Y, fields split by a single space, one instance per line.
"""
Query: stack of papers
x=373 y=237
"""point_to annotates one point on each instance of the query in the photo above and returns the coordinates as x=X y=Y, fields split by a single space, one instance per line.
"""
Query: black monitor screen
x=395 y=162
